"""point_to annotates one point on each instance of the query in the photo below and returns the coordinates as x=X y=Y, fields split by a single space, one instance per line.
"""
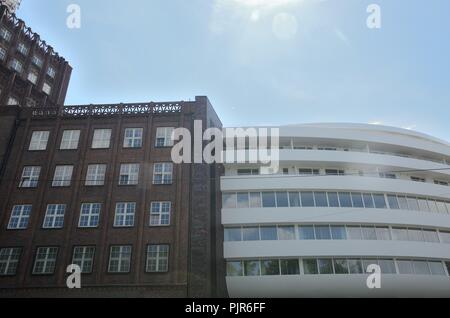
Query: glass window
x=289 y=267
x=433 y=207
x=294 y=199
x=436 y=268
x=325 y=266
x=37 y=61
x=119 y=259
x=322 y=232
x=423 y=205
x=393 y=202
x=383 y=233
x=415 y=235
x=30 y=177
x=89 y=215
x=162 y=173
x=355 y=266
x=345 y=200
x=282 y=200
x=124 y=214
x=133 y=138
x=367 y=262
x=333 y=199
x=255 y=199
x=70 y=140
x=242 y=200
x=357 y=200
x=306 y=232
x=47 y=88
x=413 y=204
x=307 y=199
x=39 y=140
x=234 y=268
x=250 y=233
x=447 y=265
x=286 y=233
x=380 y=201
x=9 y=260
x=157 y=258
x=421 y=268
x=354 y=233
x=268 y=233
x=310 y=267
x=229 y=200
x=445 y=236
x=321 y=199
x=270 y=267
x=2 y=53
x=16 y=66
x=369 y=233
x=20 y=216
x=45 y=261
x=338 y=232
x=399 y=234
x=405 y=267
x=368 y=201
x=95 y=175
x=160 y=213
x=83 y=256
x=430 y=236
x=403 y=203
x=5 y=34
x=51 y=72
x=62 y=176
x=54 y=216
x=268 y=199
x=101 y=139
x=251 y=268
x=33 y=77
x=164 y=136
x=387 y=266
x=233 y=234
x=441 y=207
x=341 y=266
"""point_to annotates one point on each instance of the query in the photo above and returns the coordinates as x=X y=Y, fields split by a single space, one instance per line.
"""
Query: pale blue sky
x=255 y=69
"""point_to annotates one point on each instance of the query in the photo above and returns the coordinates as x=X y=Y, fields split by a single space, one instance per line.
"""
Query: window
x=436 y=268
x=83 y=256
x=54 y=216
x=321 y=199
x=430 y=236
x=369 y=233
x=415 y=235
x=388 y=175
x=307 y=199
x=2 y=53
x=402 y=203
x=445 y=236
x=325 y=266
x=393 y=202
x=380 y=201
x=383 y=233
x=341 y=266
x=255 y=200
x=441 y=207
x=30 y=177
x=334 y=172
x=39 y=140
x=421 y=268
x=368 y=201
x=338 y=232
x=413 y=204
x=16 y=66
x=307 y=172
x=160 y=213
x=251 y=268
x=89 y=215
x=418 y=179
x=164 y=137
x=333 y=199
x=310 y=267
x=162 y=173
x=70 y=140
x=405 y=267
x=33 y=77
x=306 y=232
x=95 y=175
x=5 y=34
x=250 y=234
x=124 y=216
x=9 y=260
x=119 y=259
x=354 y=233
x=63 y=176
x=157 y=258
x=101 y=139
x=355 y=266
x=399 y=234
x=12 y=101
x=294 y=199
x=37 y=61
x=233 y=234
x=234 y=268
x=20 y=216
x=439 y=182
x=242 y=200
x=51 y=72
x=129 y=174
x=282 y=200
x=289 y=267
x=345 y=199
x=229 y=200
x=357 y=200
x=268 y=233
x=248 y=172
x=22 y=48
x=45 y=260
x=286 y=233
x=270 y=267
x=322 y=232
x=285 y=171
x=133 y=138
x=387 y=266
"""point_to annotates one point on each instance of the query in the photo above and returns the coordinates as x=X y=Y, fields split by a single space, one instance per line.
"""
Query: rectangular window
x=268 y=233
x=39 y=140
x=368 y=201
x=164 y=137
x=413 y=204
x=47 y=88
x=357 y=200
x=338 y=232
x=436 y=268
x=157 y=258
x=248 y=172
x=36 y=60
x=282 y=200
x=418 y=179
x=355 y=266
x=129 y=174
x=334 y=172
x=30 y=177
x=442 y=208
x=89 y=215
x=45 y=261
x=9 y=260
x=160 y=213
x=354 y=233
x=16 y=66
x=255 y=199
x=95 y=175
x=101 y=139
x=12 y=101
x=369 y=233
x=415 y=235
x=251 y=268
x=430 y=236
x=445 y=236
x=54 y=216
x=62 y=176
x=250 y=233
x=268 y=199
x=345 y=200
x=433 y=207
x=402 y=203
x=124 y=215
x=162 y=173
x=310 y=267
x=233 y=234
x=22 y=48
x=423 y=205
x=133 y=138
x=290 y=267
x=286 y=233
x=242 y=200
x=51 y=72
x=234 y=268
x=33 y=77
x=399 y=234
x=393 y=202
x=119 y=259
x=2 y=53
x=70 y=140
x=270 y=267
x=341 y=266
x=83 y=256
x=307 y=199
x=294 y=199
x=20 y=216
x=421 y=268
x=306 y=232
x=321 y=199
x=439 y=182
x=325 y=266
x=5 y=34
x=387 y=266
x=307 y=172
x=405 y=267
x=383 y=233
x=322 y=232
x=229 y=200
x=333 y=199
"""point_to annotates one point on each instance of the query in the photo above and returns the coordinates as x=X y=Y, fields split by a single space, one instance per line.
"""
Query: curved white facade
x=346 y=196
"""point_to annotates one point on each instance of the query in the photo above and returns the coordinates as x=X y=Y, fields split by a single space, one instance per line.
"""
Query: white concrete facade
x=388 y=202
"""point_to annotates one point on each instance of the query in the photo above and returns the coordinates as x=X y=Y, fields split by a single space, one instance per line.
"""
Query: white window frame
x=158 y=213
x=95 y=175
x=37 y=61
x=70 y=139
x=86 y=258
x=54 y=216
x=62 y=176
x=5 y=34
x=51 y=71
x=131 y=172
x=89 y=215
x=124 y=255
x=157 y=263
x=12 y=101
x=9 y=260
x=23 y=48
x=30 y=177
x=164 y=134
x=101 y=138
x=163 y=173
x=47 y=256
x=39 y=140
x=20 y=217
x=47 y=88
x=33 y=77
x=135 y=140
x=125 y=211
x=16 y=65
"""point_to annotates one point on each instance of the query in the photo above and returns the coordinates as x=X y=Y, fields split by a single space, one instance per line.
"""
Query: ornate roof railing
x=108 y=110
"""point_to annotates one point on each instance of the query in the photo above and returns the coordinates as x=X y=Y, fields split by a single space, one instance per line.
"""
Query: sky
x=260 y=62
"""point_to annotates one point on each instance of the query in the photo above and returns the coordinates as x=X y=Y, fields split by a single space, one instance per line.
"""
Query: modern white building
x=346 y=196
